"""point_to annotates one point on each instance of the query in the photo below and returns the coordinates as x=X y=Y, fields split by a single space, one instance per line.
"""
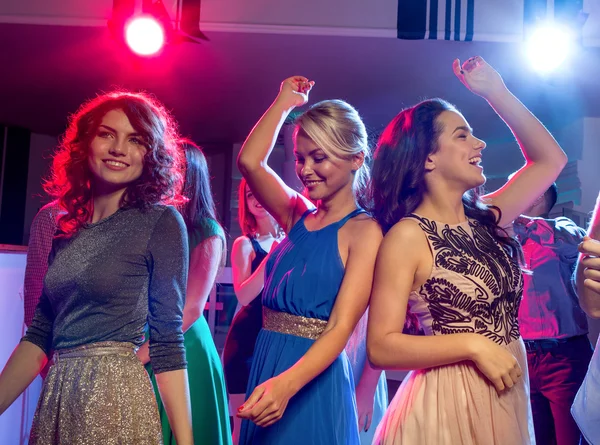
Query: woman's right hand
x=590 y=248
x=496 y=363
x=479 y=76
x=294 y=91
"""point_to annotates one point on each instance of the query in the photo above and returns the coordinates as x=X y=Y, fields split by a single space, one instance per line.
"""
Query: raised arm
x=544 y=159
x=404 y=263
x=587 y=275
x=269 y=400
x=281 y=201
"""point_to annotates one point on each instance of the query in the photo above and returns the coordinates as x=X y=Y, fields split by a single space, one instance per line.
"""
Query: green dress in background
x=210 y=412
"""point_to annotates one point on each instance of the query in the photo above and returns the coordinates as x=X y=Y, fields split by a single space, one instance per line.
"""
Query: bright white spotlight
x=144 y=35
x=548 y=47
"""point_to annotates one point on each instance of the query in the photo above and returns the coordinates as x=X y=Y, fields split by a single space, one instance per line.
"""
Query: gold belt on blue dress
x=297 y=325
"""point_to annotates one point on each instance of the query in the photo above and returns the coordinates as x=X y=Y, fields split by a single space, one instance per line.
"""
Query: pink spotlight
x=144 y=35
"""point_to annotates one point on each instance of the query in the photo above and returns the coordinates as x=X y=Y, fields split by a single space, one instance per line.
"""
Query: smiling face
x=253 y=205
x=116 y=157
x=322 y=175
x=457 y=159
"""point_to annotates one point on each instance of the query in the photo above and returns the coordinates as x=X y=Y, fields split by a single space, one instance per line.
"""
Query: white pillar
x=588 y=167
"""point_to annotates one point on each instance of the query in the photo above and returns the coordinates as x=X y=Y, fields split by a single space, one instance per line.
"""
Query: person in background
x=261 y=234
x=207 y=247
x=552 y=324
x=587 y=279
x=41 y=233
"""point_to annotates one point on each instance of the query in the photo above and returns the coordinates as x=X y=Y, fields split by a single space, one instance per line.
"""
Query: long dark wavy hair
x=161 y=180
x=200 y=202
x=398 y=174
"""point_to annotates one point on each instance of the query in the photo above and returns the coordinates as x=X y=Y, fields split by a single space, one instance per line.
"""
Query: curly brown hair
x=162 y=175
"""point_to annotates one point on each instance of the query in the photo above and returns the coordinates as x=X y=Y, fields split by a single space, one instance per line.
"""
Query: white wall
x=16 y=421
x=339 y=13
x=589 y=165
x=369 y=14
x=494 y=20
x=56 y=12
x=588 y=169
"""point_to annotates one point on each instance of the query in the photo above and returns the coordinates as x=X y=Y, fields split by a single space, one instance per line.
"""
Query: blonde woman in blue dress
x=317 y=280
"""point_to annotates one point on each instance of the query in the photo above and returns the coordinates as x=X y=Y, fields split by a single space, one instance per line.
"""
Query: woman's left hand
x=267 y=403
x=365 y=399
x=143 y=353
x=479 y=76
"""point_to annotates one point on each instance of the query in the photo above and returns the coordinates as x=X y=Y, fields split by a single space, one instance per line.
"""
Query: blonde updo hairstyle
x=336 y=127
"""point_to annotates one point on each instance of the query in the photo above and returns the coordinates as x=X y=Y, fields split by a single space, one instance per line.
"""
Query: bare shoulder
x=406 y=233
x=242 y=241
x=242 y=246
x=210 y=242
x=364 y=227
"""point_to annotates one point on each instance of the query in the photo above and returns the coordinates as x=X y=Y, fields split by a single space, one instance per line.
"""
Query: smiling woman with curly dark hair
x=119 y=261
x=161 y=179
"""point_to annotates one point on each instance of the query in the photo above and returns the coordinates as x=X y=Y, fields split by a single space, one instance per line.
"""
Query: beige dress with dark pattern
x=474 y=287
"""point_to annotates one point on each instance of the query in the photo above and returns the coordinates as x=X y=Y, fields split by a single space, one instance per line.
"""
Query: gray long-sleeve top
x=113 y=276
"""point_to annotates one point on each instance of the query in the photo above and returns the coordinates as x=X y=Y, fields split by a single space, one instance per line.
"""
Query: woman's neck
x=444 y=207
x=337 y=206
x=105 y=204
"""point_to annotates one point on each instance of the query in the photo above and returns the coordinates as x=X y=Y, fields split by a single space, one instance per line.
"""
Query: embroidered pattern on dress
x=482 y=291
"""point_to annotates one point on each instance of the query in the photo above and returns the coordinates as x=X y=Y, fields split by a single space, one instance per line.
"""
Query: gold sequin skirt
x=98 y=393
